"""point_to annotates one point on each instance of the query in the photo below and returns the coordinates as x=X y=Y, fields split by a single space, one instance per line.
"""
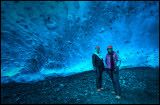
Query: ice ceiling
x=51 y=38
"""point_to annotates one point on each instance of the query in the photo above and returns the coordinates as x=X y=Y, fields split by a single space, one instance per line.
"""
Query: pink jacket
x=108 y=60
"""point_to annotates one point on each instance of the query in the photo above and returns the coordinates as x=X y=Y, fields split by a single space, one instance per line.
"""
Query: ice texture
x=57 y=38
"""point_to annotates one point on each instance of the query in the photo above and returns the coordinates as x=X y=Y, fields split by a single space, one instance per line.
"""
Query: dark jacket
x=96 y=61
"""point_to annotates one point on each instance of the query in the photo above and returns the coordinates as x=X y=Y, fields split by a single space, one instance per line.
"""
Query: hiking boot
x=118 y=97
x=98 y=89
x=101 y=88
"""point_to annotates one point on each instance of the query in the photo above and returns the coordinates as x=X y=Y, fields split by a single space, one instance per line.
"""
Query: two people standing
x=111 y=61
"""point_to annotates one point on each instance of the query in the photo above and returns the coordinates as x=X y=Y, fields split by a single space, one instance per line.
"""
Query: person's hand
x=95 y=69
x=117 y=67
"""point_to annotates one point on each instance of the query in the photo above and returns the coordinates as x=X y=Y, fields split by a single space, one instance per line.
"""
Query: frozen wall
x=51 y=38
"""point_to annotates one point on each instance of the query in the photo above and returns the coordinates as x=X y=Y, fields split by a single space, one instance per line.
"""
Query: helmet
x=97 y=47
x=109 y=47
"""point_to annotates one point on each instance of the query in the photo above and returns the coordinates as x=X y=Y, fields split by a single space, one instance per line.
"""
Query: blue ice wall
x=57 y=38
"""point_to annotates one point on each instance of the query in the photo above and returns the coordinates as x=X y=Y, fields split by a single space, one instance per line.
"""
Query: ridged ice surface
x=57 y=38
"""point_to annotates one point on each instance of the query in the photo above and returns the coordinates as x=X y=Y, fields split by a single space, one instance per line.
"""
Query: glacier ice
x=49 y=38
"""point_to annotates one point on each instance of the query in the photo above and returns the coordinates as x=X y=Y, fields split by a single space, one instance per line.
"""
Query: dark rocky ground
x=139 y=86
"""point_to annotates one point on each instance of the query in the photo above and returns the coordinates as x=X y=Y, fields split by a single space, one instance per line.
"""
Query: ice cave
x=56 y=39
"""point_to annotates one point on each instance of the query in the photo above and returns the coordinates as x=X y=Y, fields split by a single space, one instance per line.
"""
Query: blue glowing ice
x=44 y=38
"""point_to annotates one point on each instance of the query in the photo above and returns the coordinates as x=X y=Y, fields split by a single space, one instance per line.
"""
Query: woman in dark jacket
x=98 y=65
x=111 y=59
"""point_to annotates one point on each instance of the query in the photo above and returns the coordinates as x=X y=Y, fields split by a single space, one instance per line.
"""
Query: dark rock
x=16 y=1
x=27 y=8
x=118 y=51
x=26 y=26
x=126 y=42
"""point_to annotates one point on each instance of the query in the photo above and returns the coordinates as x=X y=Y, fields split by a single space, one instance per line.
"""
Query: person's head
x=109 y=49
x=97 y=49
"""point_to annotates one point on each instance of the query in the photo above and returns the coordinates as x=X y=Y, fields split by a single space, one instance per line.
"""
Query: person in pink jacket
x=112 y=68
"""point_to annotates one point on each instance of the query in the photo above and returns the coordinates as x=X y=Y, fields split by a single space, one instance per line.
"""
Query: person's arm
x=106 y=64
x=94 y=61
x=116 y=57
x=106 y=60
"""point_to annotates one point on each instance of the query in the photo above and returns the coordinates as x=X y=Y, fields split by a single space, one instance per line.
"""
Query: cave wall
x=51 y=38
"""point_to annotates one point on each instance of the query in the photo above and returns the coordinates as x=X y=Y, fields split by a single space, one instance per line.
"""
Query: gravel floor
x=139 y=86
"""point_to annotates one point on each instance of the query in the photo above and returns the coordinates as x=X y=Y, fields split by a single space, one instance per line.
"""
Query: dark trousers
x=99 y=71
x=114 y=75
